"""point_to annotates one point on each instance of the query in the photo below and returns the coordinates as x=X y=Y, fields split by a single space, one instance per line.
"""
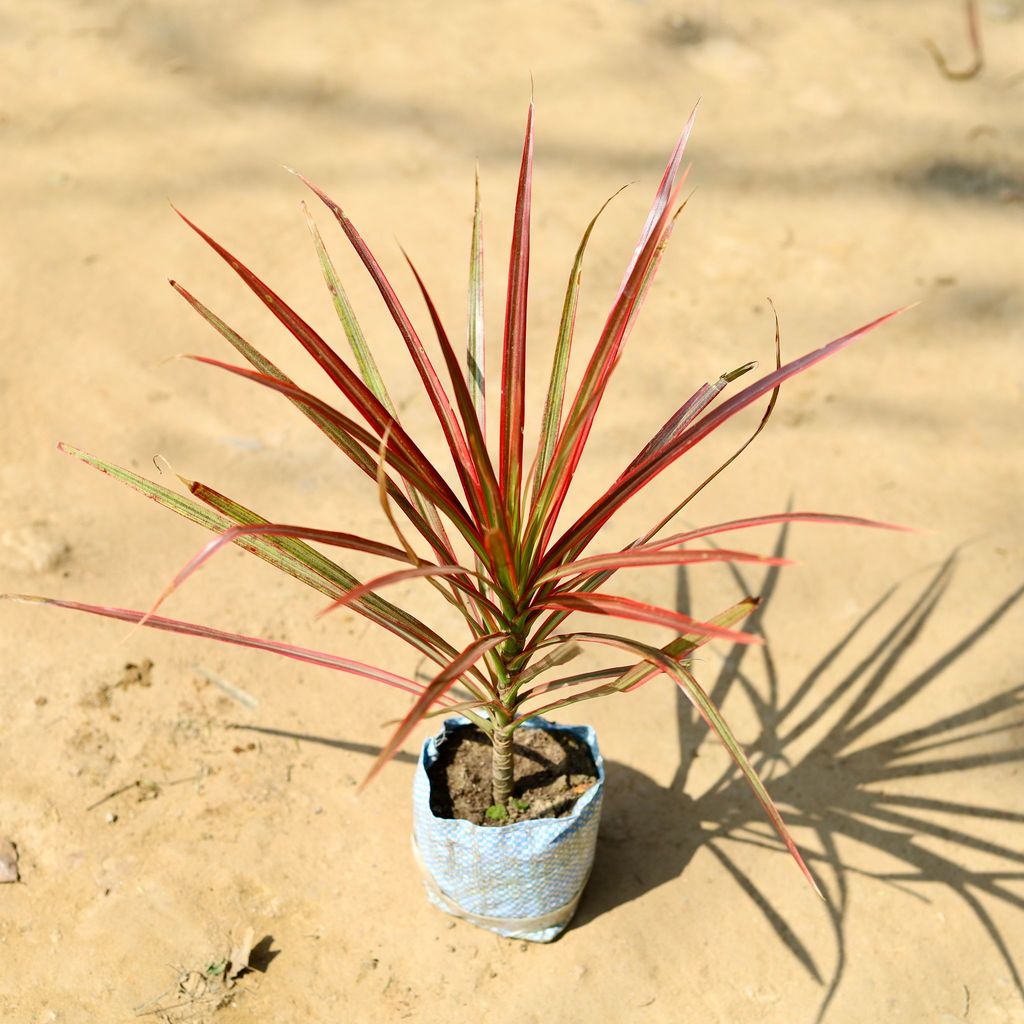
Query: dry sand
x=838 y=172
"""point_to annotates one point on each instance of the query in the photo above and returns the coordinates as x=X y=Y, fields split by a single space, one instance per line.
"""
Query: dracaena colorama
x=486 y=542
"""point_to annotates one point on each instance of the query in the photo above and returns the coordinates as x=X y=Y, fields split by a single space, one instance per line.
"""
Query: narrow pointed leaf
x=627 y=608
x=316 y=570
x=683 y=646
x=491 y=509
x=770 y=520
x=686 y=682
x=637 y=558
x=476 y=359
x=303 y=654
x=303 y=563
x=551 y=420
x=334 y=538
x=337 y=369
x=513 y=368
x=464 y=708
x=605 y=690
x=421 y=475
x=439 y=399
x=346 y=315
x=639 y=275
x=428 y=521
x=631 y=677
x=391 y=578
x=562 y=654
x=354 y=451
x=686 y=413
x=583 y=530
x=662 y=198
x=765 y=417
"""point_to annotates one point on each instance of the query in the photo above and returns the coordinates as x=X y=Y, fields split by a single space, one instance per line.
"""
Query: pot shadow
x=830 y=792
x=263 y=955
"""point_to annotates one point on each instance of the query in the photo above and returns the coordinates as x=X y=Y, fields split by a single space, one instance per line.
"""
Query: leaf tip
x=26 y=599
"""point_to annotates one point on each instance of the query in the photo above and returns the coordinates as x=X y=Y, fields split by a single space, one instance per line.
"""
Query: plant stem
x=501 y=770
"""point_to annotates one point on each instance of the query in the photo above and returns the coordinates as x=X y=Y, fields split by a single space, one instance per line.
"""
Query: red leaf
x=311 y=657
x=636 y=557
x=513 y=368
x=627 y=608
x=420 y=571
x=418 y=471
x=431 y=383
x=584 y=529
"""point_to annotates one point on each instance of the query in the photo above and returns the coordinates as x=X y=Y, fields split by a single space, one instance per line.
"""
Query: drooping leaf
x=304 y=654
x=686 y=682
x=631 y=677
x=333 y=538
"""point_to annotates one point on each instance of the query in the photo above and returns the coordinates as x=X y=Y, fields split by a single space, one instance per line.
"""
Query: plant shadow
x=830 y=791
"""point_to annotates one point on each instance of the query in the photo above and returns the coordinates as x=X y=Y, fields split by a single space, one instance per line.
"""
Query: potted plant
x=489 y=542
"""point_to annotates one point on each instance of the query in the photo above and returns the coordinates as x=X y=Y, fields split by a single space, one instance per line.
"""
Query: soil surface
x=153 y=815
x=551 y=771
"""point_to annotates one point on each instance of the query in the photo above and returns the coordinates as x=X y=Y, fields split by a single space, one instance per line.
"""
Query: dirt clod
x=35 y=547
x=8 y=861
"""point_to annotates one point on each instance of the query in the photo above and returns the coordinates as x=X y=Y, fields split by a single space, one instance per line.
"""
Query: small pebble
x=8 y=861
x=111 y=817
x=318 y=810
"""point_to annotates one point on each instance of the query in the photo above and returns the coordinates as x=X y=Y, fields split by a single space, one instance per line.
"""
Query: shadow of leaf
x=832 y=789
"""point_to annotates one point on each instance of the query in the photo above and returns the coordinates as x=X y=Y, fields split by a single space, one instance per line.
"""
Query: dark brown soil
x=552 y=770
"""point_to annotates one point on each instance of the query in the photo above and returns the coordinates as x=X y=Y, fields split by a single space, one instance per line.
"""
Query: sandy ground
x=838 y=172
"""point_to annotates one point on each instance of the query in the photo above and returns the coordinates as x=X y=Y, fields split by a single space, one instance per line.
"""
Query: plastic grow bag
x=523 y=880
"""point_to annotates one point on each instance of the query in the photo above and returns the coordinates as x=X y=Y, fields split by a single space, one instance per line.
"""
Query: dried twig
x=113 y=793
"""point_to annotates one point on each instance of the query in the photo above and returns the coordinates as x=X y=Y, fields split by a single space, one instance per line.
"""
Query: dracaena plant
x=489 y=541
